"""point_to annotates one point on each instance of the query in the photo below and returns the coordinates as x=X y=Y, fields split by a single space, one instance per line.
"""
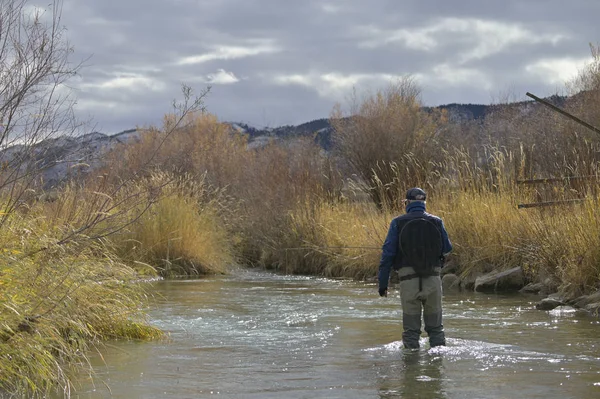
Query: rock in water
x=549 y=304
x=510 y=280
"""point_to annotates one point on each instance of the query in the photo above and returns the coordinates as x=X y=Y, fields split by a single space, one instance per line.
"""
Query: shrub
x=182 y=233
x=389 y=140
x=57 y=301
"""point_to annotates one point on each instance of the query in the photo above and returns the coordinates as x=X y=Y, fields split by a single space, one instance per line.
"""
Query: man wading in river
x=415 y=245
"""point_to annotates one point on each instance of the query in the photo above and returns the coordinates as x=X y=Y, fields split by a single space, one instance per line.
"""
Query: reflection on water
x=415 y=374
x=256 y=335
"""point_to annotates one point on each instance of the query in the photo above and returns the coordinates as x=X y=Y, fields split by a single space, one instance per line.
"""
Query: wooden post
x=565 y=113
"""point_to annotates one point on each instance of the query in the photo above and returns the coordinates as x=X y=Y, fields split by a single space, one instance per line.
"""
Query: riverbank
x=61 y=296
x=57 y=309
x=72 y=271
x=557 y=248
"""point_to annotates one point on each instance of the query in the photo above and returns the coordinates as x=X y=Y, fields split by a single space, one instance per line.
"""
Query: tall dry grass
x=58 y=302
x=556 y=245
x=182 y=233
x=257 y=188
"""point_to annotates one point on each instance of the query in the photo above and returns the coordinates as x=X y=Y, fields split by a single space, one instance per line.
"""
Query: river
x=260 y=335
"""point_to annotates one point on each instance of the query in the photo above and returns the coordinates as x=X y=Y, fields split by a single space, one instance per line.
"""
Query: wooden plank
x=556 y=179
x=565 y=113
x=550 y=203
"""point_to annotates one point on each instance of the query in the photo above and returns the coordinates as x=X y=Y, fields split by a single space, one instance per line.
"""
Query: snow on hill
x=63 y=156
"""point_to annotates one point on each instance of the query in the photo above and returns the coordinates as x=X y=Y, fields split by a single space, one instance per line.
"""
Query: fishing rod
x=301 y=248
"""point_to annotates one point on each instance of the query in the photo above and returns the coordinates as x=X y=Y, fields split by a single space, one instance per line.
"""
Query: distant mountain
x=465 y=111
x=62 y=157
x=322 y=129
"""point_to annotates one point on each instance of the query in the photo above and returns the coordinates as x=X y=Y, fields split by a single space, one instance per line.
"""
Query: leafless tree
x=36 y=110
x=35 y=100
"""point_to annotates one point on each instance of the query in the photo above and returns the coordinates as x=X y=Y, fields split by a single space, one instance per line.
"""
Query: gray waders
x=421 y=294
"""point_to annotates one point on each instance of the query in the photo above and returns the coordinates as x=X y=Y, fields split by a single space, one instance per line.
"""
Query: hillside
x=321 y=128
x=62 y=157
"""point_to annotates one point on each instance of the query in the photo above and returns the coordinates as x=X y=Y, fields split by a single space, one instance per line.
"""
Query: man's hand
x=383 y=292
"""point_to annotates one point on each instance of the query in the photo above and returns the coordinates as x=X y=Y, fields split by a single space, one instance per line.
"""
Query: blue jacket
x=390 y=250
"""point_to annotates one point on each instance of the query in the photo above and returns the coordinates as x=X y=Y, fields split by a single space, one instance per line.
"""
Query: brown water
x=258 y=335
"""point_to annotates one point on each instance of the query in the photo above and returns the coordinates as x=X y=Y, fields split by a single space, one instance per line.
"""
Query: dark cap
x=416 y=194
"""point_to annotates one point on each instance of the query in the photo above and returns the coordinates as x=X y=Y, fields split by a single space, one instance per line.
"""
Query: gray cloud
x=272 y=62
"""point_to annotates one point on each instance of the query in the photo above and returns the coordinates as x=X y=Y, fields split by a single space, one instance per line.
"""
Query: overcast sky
x=276 y=62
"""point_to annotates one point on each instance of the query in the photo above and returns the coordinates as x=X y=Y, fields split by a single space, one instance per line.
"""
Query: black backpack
x=421 y=245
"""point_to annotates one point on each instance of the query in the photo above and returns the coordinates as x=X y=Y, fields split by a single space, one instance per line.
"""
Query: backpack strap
x=415 y=275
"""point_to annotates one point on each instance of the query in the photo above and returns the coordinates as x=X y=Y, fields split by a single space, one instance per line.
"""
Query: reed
x=58 y=302
x=182 y=233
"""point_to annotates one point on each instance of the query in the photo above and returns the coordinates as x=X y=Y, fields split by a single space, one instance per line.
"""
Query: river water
x=259 y=335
